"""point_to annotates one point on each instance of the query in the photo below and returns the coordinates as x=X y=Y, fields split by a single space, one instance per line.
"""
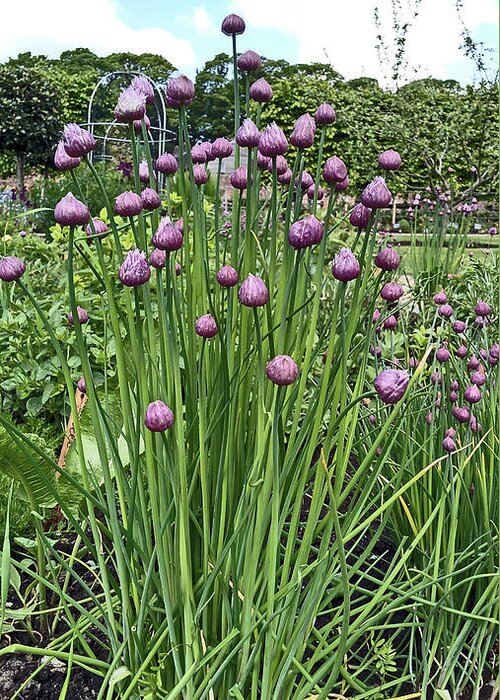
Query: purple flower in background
x=180 y=90
x=473 y=363
x=150 y=199
x=272 y=141
x=472 y=394
x=345 y=267
x=222 y=148
x=159 y=417
x=232 y=25
x=448 y=444
x=454 y=385
x=282 y=370
x=286 y=178
x=200 y=175
x=253 y=292
x=306 y=181
x=239 y=178
x=11 y=268
x=134 y=270
x=311 y=191
x=459 y=326
x=281 y=165
x=376 y=195
x=227 y=276
x=261 y=91
x=443 y=354
x=143 y=171
x=391 y=292
x=158 y=259
x=167 y=164
x=342 y=186
x=77 y=141
x=69 y=211
x=391 y=385
x=167 y=236
x=460 y=413
x=263 y=162
x=62 y=161
x=249 y=61
x=206 y=326
x=131 y=105
x=81 y=386
x=303 y=132
x=82 y=314
x=453 y=396
x=325 y=114
x=128 y=204
x=143 y=85
x=478 y=378
x=198 y=154
x=482 y=308
x=461 y=352
x=125 y=168
x=306 y=232
x=360 y=216
x=99 y=227
x=390 y=323
x=138 y=124
x=334 y=170
x=389 y=160
x=445 y=310
x=387 y=259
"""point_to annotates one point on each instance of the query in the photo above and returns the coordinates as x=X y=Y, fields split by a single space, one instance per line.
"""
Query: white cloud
x=344 y=32
x=52 y=26
x=202 y=22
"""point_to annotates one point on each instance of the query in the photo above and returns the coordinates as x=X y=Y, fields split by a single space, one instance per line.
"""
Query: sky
x=339 y=32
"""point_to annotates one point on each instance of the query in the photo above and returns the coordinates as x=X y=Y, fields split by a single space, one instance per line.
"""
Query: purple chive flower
x=134 y=270
x=81 y=386
x=429 y=418
x=342 y=186
x=360 y=216
x=222 y=148
x=198 y=154
x=178 y=269
x=391 y=385
x=453 y=396
x=143 y=85
x=150 y=199
x=253 y=292
x=474 y=425
x=436 y=378
x=207 y=147
x=484 y=353
x=391 y=292
x=325 y=114
x=312 y=190
x=200 y=175
x=263 y=162
x=376 y=195
x=478 y=378
x=232 y=24
x=306 y=232
x=448 y=444
x=345 y=267
x=376 y=316
x=282 y=370
x=143 y=171
x=138 y=124
x=77 y=141
x=159 y=417
x=82 y=314
x=460 y=413
x=62 y=161
x=473 y=363
x=413 y=361
x=306 y=181
x=167 y=164
x=472 y=394
x=454 y=385
x=334 y=170
x=167 y=236
x=492 y=231
x=390 y=323
x=303 y=132
x=387 y=259
x=261 y=91
x=249 y=61
x=272 y=141
x=375 y=351
x=227 y=276
x=99 y=227
x=239 y=178
x=69 y=211
x=131 y=105
x=389 y=160
x=286 y=178
x=206 y=326
x=180 y=90
x=11 y=268
x=461 y=352
x=482 y=308
x=158 y=259
x=445 y=310
x=281 y=165
x=443 y=354
x=440 y=298
x=459 y=326
x=494 y=351
x=128 y=204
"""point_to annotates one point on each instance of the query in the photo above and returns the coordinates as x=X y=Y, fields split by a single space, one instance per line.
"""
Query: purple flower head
x=461 y=352
x=150 y=199
x=481 y=321
x=159 y=417
x=448 y=444
x=306 y=181
x=178 y=269
x=143 y=85
x=167 y=236
x=281 y=165
x=445 y=310
x=482 y=308
x=205 y=326
x=134 y=270
x=360 y=216
x=62 y=161
x=453 y=396
x=198 y=154
x=227 y=276
x=389 y=160
x=376 y=194
x=82 y=314
x=492 y=231
x=239 y=178
x=69 y=211
x=345 y=267
x=478 y=378
x=167 y=164
x=77 y=141
x=376 y=316
x=454 y=385
x=99 y=227
x=440 y=298
x=222 y=148
x=473 y=363
x=303 y=132
x=390 y=323
x=391 y=385
x=460 y=413
x=342 y=186
x=128 y=204
x=311 y=191
x=143 y=171
x=436 y=378
x=232 y=24
x=282 y=370
x=443 y=354
x=138 y=124
x=334 y=170
x=249 y=61
x=253 y=292
x=200 y=175
x=412 y=361
x=474 y=425
x=472 y=394
x=131 y=105
x=387 y=259
x=286 y=178
x=325 y=114
x=158 y=259
x=81 y=386
x=429 y=418
x=261 y=91
x=375 y=351
x=391 y=292
x=263 y=162
x=306 y=232
x=180 y=90
x=11 y=268
x=494 y=351
x=459 y=326
x=272 y=141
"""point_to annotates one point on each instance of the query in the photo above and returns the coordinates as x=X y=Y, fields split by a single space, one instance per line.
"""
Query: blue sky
x=186 y=32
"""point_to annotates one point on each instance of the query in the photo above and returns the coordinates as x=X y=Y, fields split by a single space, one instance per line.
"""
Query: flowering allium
x=206 y=326
x=286 y=178
x=453 y=396
x=413 y=361
x=62 y=161
x=261 y=91
x=478 y=378
x=167 y=164
x=159 y=417
x=253 y=292
x=448 y=444
x=461 y=352
x=200 y=175
x=167 y=236
x=305 y=232
x=69 y=211
x=249 y=61
x=81 y=386
x=376 y=195
x=282 y=370
x=458 y=326
x=222 y=148
x=303 y=132
x=131 y=105
x=473 y=363
x=232 y=24
x=325 y=114
x=77 y=141
x=178 y=269
x=263 y=162
x=387 y=259
x=345 y=267
x=158 y=259
x=445 y=310
x=134 y=270
x=494 y=351
x=150 y=199
x=227 y=276
x=472 y=394
x=99 y=227
x=312 y=190
x=83 y=316
x=11 y=268
x=239 y=178
x=334 y=170
x=128 y=204
x=306 y=181
x=376 y=316
x=440 y=298
x=474 y=425
x=390 y=323
x=360 y=216
x=454 y=385
x=461 y=413
x=443 y=354
x=198 y=154
x=342 y=186
x=429 y=418
x=138 y=124
x=391 y=385
x=389 y=160
x=281 y=165
x=482 y=308
x=143 y=171
x=375 y=351
x=143 y=85
x=272 y=141
x=180 y=89
x=391 y=292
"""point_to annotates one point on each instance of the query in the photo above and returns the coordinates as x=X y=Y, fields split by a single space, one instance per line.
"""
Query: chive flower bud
x=77 y=141
x=303 y=132
x=389 y=160
x=180 y=90
x=387 y=259
x=99 y=227
x=131 y=105
x=472 y=394
x=222 y=148
x=312 y=190
x=445 y=310
x=232 y=25
x=376 y=316
x=138 y=124
x=440 y=298
x=459 y=326
x=436 y=378
x=345 y=267
x=360 y=216
x=263 y=162
x=306 y=181
x=325 y=114
x=249 y=61
x=391 y=292
x=342 y=186
x=150 y=199
x=482 y=308
x=253 y=292
x=83 y=316
x=494 y=351
x=62 y=161
x=81 y=386
x=11 y=268
x=167 y=164
x=473 y=363
x=227 y=276
x=390 y=323
x=143 y=171
x=261 y=91
x=69 y=211
x=454 y=385
x=448 y=444
x=167 y=236
x=159 y=417
x=198 y=154
x=158 y=259
x=206 y=326
x=443 y=354
x=282 y=370
x=143 y=85
x=134 y=270
x=239 y=178
x=272 y=141
x=461 y=352
x=376 y=195
x=460 y=413
x=286 y=178
x=391 y=385
x=128 y=204
x=200 y=175
x=478 y=378
x=453 y=396
x=334 y=170
x=305 y=233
